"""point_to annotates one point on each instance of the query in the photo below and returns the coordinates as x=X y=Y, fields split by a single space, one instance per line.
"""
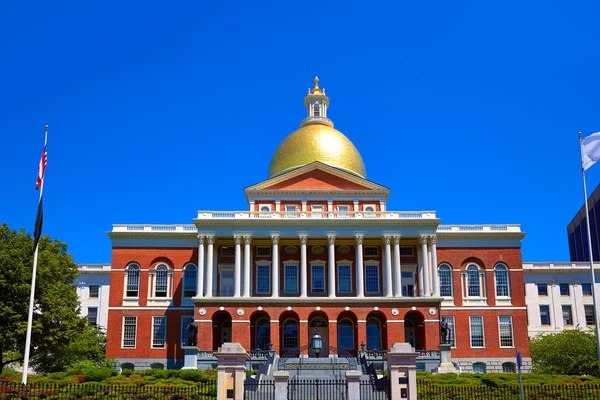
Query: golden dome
x=317 y=142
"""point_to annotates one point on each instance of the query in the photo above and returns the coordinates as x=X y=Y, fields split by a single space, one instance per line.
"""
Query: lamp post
x=317 y=342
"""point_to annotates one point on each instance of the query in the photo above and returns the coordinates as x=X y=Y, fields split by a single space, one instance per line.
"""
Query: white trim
x=471 y=332
x=484 y=308
x=297 y=265
x=512 y=333
x=506 y=300
x=150 y=308
x=203 y=320
x=333 y=320
x=431 y=320
x=262 y=263
x=240 y=320
x=260 y=206
x=123 y=332
x=337 y=271
x=393 y=320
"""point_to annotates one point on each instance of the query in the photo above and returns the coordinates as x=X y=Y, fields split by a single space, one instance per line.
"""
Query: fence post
x=402 y=372
x=353 y=384
x=231 y=371
x=281 y=384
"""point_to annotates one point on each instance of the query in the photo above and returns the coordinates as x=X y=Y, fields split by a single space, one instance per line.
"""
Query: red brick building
x=316 y=248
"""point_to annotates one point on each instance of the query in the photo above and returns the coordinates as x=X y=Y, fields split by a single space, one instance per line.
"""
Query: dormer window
x=317 y=110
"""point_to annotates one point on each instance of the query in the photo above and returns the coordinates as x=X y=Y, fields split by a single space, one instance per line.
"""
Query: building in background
x=315 y=248
x=577 y=230
x=559 y=296
x=93 y=288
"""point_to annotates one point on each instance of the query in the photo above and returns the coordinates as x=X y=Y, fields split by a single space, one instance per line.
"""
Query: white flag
x=591 y=149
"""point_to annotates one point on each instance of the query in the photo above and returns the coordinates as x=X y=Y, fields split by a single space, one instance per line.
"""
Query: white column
x=434 y=270
x=425 y=281
x=360 y=287
x=237 y=271
x=275 y=267
x=303 y=274
x=331 y=256
x=210 y=240
x=247 y=254
x=387 y=264
x=200 y=274
x=397 y=271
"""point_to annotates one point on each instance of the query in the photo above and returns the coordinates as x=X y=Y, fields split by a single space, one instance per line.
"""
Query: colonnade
x=427 y=279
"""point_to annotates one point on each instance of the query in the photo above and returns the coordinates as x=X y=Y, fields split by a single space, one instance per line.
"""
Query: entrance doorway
x=320 y=324
x=414 y=329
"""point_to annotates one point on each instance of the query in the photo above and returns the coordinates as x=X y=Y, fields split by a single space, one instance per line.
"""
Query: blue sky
x=156 y=110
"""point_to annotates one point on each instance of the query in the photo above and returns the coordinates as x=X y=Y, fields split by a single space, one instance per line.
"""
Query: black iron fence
x=429 y=391
x=259 y=390
x=372 y=391
x=317 y=389
x=199 y=390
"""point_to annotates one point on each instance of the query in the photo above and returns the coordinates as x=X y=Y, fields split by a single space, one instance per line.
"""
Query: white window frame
x=376 y=265
x=95 y=323
x=502 y=300
x=341 y=213
x=317 y=210
x=126 y=281
x=90 y=292
x=261 y=206
x=263 y=263
x=314 y=264
x=482 y=298
x=184 y=333
x=222 y=269
x=152 y=346
x=123 y=332
x=512 y=332
x=445 y=264
x=184 y=281
x=337 y=273
x=286 y=264
x=152 y=283
x=471 y=332
x=570 y=308
x=549 y=315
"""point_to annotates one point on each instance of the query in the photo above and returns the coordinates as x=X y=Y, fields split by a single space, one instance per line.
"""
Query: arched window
x=479 y=368
x=501 y=275
x=133 y=280
x=445 y=273
x=509 y=368
x=128 y=366
x=265 y=209
x=161 y=281
x=369 y=209
x=190 y=280
x=346 y=334
x=317 y=110
x=373 y=334
x=263 y=333
x=290 y=334
x=473 y=281
x=157 y=366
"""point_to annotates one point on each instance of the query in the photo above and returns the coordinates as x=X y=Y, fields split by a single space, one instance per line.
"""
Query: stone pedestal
x=190 y=357
x=353 y=381
x=281 y=384
x=231 y=371
x=446 y=365
x=402 y=372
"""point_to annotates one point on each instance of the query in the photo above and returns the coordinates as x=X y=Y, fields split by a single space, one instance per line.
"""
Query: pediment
x=317 y=177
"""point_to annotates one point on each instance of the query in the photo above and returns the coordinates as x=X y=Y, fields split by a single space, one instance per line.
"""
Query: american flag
x=42 y=168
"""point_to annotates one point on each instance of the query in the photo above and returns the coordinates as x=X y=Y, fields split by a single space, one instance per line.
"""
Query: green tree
x=571 y=352
x=60 y=336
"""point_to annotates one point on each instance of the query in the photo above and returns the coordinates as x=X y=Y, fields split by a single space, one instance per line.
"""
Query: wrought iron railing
x=428 y=353
x=263 y=389
x=428 y=390
x=329 y=389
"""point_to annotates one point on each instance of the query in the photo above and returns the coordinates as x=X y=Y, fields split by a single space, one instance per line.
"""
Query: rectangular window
x=185 y=321
x=343 y=211
x=586 y=288
x=263 y=279
x=317 y=278
x=159 y=332
x=227 y=251
x=476 y=325
x=406 y=251
x=371 y=279
x=190 y=281
x=506 y=331
x=291 y=279
x=371 y=251
x=564 y=289
x=317 y=211
x=545 y=315
x=450 y=321
x=94 y=290
x=344 y=278
x=162 y=284
x=92 y=316
x=567 y=315
x=263 y=251
x=290 y=211
x=129 y=331
x=589 y=315
x=542 y=289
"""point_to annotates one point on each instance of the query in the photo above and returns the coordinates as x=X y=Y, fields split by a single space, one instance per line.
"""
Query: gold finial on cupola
x=316 y=89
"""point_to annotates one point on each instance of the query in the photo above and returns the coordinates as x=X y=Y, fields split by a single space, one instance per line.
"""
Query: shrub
x=191 y=375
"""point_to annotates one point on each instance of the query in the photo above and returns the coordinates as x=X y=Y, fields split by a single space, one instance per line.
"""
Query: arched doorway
x=376 y=331
x=260 y=335
x=414 y=329
x=289 y=335
x=347 y=333
x=317 y=321
x=221 y=322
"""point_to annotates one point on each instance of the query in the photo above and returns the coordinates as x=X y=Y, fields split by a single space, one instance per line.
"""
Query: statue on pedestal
x=444 y=332
x=192 y=329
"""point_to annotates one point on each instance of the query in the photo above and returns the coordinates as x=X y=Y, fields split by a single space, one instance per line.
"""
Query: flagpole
x=32 y=292
x=589 y=240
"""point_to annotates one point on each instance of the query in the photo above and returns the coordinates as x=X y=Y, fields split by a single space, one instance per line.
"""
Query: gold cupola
x=316 y=140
